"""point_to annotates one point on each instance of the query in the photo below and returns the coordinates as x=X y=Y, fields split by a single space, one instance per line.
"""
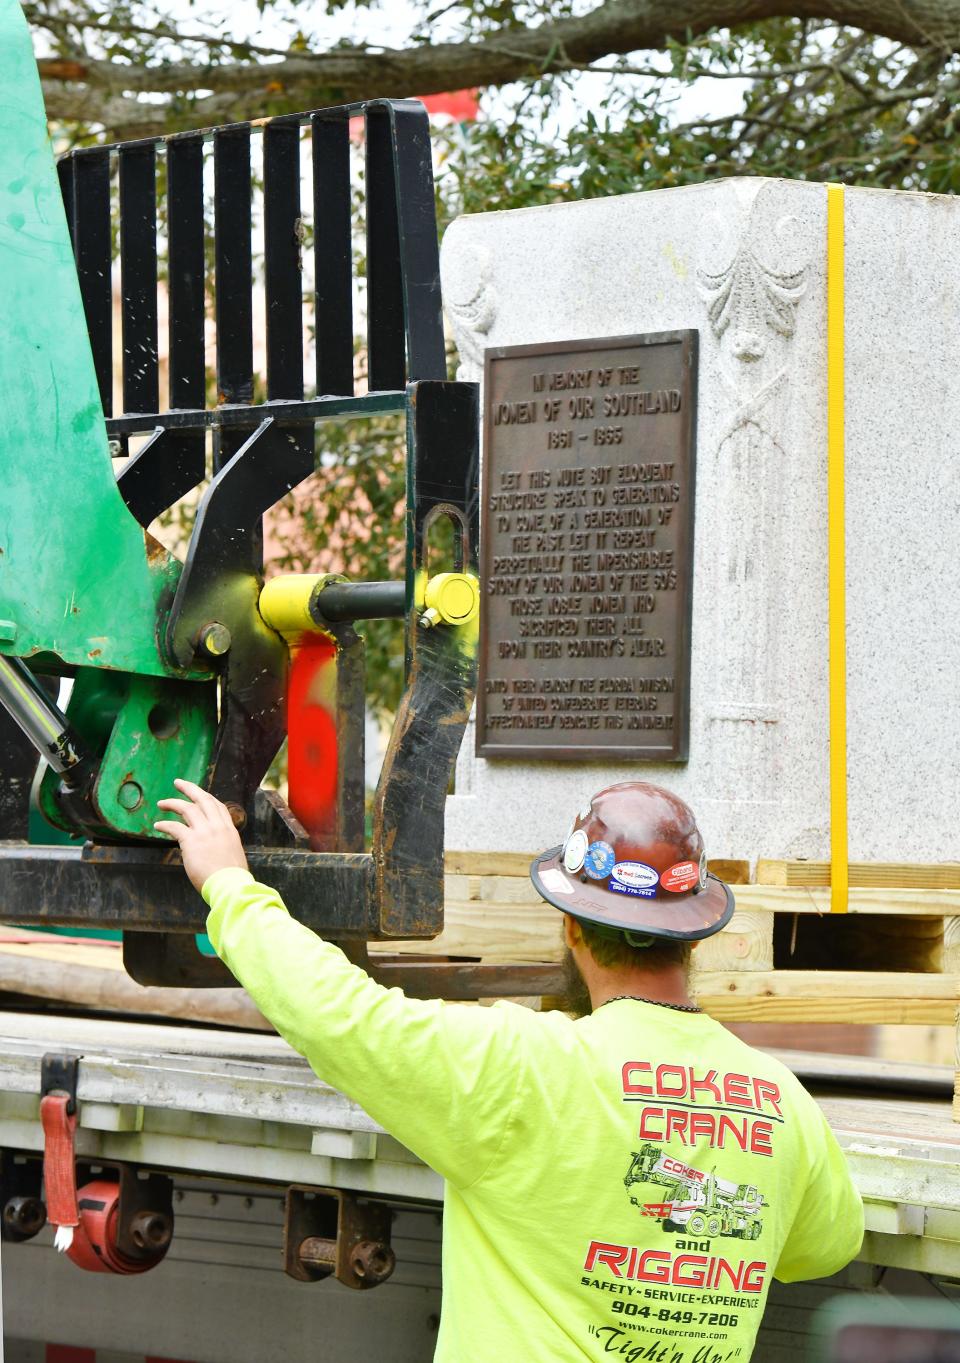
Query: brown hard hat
x=634 y=861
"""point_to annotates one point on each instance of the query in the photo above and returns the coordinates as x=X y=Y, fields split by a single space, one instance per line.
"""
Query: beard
x=575 y=997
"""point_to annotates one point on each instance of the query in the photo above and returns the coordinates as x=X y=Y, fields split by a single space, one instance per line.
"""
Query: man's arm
x=827 y=1231
x=440 y=1077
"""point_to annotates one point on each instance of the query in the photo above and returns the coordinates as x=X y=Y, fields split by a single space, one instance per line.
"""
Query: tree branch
x=104 y=91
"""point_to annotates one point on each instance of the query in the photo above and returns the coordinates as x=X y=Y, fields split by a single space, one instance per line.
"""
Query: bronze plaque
x=587 y=544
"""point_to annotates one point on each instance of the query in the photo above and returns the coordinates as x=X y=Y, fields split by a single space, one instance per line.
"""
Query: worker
x=626 y=1183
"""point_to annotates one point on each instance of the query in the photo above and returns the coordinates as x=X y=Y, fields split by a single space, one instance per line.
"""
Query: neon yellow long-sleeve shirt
x=624 y=1185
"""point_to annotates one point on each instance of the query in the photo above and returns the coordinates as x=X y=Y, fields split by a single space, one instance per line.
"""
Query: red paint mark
x=462 y=105
x=66 y=1353
x=312 y=737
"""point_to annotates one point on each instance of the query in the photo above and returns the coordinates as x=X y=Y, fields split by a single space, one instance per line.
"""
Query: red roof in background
x=461 y=105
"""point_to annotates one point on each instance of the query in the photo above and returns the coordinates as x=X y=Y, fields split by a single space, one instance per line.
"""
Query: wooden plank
x=734 y=871
x=951 y=944
x=489 y=863
x=746 y=943
x=815 y=984
x=821 y=1067
x=461 y=887
x=493 y=930
x=828 y=996
x=504 y=890
x=921 y=1129
x=928 y=903
x=863 y=874
x=829 y=1008
x=97 y=955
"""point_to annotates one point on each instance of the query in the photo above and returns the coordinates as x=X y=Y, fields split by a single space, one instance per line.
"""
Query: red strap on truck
x=59 y=1161
x=64 y=1204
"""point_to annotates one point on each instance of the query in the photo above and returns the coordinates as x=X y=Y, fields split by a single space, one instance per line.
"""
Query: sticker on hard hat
x=555 y=881
x=634 y=877
x=575 y=851
x=598 y=863
x=681 y=876
x=703 y=870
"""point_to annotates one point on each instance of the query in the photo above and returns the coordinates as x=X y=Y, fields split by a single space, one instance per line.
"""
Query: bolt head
x=238 y=815
x=373 y=1261
x=152 y=1230
x=215 y=639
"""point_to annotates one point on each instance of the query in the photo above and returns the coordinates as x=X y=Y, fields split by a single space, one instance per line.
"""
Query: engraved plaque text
x=587 y=541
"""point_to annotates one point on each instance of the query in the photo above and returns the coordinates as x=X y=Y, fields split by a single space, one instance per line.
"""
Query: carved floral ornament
x=751 y=297
x=471 y=305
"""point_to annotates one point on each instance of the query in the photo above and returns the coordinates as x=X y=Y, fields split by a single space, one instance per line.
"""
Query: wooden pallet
x=893 y=958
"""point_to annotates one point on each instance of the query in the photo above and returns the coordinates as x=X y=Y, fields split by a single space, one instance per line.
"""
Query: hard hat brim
x=685 y=918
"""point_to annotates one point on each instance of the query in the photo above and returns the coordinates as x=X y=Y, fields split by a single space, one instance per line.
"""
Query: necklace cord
x=658 y=1003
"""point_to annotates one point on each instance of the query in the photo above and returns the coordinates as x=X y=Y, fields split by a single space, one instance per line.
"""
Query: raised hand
x=207 y=837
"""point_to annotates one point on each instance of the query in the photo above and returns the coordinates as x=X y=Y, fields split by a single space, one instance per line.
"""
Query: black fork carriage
x=208 y=628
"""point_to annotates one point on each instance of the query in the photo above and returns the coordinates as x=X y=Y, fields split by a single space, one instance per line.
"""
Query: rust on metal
x=372 y=1261
x=318 y=1254
x=238 y=815
x=145 y=1222
x=328 y=1231
x=587 y=548
x=156 y=552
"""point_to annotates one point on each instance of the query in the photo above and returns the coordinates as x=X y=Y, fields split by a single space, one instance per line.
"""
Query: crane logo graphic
x=693 y=1202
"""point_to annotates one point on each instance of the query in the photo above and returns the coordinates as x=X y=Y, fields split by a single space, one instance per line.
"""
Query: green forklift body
x=80 y=580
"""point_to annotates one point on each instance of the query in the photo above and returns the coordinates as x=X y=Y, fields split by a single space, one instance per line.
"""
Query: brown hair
x=612 y=950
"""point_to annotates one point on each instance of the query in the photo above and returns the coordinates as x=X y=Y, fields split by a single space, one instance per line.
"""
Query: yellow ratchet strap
x=836 y=558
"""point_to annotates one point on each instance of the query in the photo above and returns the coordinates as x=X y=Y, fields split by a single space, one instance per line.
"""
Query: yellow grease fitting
x=455 y=597
x=836 y=555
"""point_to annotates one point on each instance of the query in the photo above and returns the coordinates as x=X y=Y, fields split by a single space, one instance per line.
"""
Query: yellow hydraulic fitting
x=285 y=602
x=295 y=604
x=451 y=599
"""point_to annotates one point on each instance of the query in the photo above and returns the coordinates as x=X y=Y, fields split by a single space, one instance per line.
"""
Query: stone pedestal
x=744 y=262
